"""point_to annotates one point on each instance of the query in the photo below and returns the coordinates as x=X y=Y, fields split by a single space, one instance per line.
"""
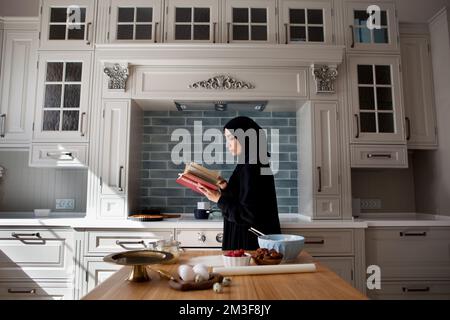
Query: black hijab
x=242 y=128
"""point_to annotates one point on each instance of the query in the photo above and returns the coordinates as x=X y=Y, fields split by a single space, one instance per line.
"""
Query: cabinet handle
x=413 y=234
x=357 y=126
x=319 y=169
x=287 y=33
x=228 y=31
x=2 y=132
x=26 y=235
x=31 y=291
x=88 y=31
x=379 y=155
x=406 y=289
x=353 y=36
x=120 y=179
x=315 y=241
x=57 y=155
x=219 y=237
x=124 y=243
x=201 y=237
x=408 y=128
x=155 y=33
x=214 y=31
x=83 y=117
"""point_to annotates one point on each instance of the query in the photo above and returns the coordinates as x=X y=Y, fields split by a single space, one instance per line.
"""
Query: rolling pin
x=248 y=270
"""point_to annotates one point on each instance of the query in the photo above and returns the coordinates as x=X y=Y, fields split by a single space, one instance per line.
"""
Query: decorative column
x=324 y=76
x=118 y=75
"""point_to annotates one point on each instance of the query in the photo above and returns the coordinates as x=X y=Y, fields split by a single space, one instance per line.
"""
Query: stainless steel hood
x=220 y=105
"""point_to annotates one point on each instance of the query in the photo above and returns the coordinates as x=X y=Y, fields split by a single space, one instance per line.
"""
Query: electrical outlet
x=370 y=204
x=65 y=204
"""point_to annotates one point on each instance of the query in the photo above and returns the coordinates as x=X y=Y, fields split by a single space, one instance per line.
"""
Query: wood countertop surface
x=320 y=285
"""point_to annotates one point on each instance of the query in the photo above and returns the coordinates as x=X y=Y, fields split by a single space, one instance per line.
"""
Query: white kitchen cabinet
x=33 y=254
x=412 y=290
x=196 y=21
x=306 y=22
x=18 y=81
x=136 y=21
x=319 y=172
x=97 y=271
x=114 y=147
x=368 y=29
x=62 y=104
x=67 y=24
x=420 y=112
x=375 y=94
x=379 y=156
x=342 y=266
x=252 y=21
x=35 y=291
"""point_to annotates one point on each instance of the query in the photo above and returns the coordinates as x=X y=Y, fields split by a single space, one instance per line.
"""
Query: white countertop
x=187 y=221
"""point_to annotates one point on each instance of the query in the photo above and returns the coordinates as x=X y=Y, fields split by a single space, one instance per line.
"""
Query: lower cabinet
x=35 y=291
x=342 y=266
x=414 y=261
x=97 y=271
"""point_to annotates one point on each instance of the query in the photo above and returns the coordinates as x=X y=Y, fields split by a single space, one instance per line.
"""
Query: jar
x=171 y=246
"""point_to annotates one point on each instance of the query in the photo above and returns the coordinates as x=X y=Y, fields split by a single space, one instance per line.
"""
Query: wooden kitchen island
x=320 y=285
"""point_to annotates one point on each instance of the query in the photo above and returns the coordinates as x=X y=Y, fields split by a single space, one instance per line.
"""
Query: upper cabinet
x=420 y=113
x=250 y=21
x=371 y=26
x=62 y=97
x=306 y=22
x=192 y=21
x=67 y=24
x=135 y=21
x=18 y=81
x=376 y=99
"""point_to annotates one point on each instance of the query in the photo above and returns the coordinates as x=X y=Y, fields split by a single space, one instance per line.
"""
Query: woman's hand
x=222 y=184
x=213 y=196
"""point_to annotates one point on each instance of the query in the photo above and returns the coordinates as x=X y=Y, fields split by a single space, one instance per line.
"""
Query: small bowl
x=287 y=244
x=236 y=261
x=201 y=213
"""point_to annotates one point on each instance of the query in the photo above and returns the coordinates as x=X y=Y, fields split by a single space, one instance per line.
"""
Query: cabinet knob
x=201 y=237
x=219 y=237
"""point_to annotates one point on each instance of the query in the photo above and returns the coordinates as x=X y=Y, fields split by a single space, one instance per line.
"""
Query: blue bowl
x=288 y=244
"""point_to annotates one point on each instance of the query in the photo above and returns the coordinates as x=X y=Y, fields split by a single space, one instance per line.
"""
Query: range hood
x=220 y=105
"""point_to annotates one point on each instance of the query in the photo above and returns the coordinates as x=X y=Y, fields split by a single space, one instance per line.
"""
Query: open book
x=195 y=174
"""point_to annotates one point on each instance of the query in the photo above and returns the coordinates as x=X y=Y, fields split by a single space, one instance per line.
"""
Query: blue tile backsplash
x=158 y=186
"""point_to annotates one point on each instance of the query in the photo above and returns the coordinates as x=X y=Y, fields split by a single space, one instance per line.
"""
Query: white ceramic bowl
x=236 y=261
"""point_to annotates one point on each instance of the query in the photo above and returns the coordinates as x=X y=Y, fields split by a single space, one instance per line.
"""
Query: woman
x=249 y=198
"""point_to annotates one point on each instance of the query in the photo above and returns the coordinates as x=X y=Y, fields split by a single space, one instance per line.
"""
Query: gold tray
x=139 y=259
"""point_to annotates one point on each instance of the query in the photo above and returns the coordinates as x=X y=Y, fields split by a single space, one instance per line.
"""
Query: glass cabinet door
x=192 y=21
x=135 y=21
x=372 y=27
x=67 y=24
x=376 y=98
x=62 y=100
x=306 y=22
x=250 y=21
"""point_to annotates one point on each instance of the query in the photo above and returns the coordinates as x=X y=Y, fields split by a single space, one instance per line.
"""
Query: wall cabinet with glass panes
x=306 y=22
x=137 y=21
x=250 y=21
x=67 y=24
x=63 y=97
x=192 y=21
x=376 y=99
x=371 y=26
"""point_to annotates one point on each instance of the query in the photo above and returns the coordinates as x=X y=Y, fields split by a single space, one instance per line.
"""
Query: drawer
x=379 y=156
x=200 y=238
x=34 y=291
x=105 y=242
x=36 y=254
x=322 y=242
x=412 y=290
x=59 y=155
x=409 y=253
x=342 y=266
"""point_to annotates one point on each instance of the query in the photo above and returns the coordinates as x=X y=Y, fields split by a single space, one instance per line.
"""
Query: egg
x=226 y=281
x=217 y=287
x=202 y=271
x=186 y=272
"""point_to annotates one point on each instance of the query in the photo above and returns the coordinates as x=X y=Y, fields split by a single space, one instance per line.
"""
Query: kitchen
x=94 y=91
